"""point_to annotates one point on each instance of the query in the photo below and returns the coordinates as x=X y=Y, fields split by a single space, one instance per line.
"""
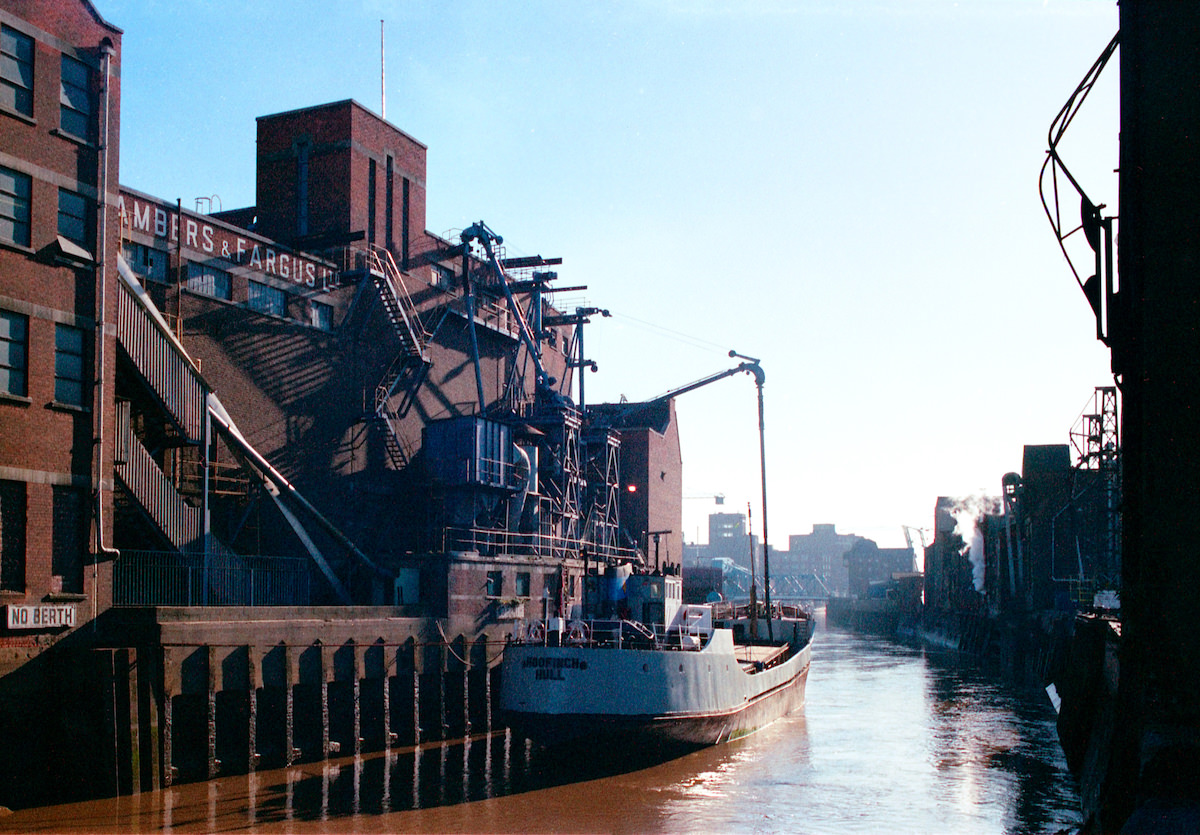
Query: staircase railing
x=154 y=492
x=401 y=310
x=174 y=380
x=408 y=369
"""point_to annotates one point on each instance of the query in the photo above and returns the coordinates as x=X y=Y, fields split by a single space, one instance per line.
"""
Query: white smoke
x=967 y=513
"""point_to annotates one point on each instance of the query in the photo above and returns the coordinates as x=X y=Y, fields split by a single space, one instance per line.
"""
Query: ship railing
x=610 y=633
x=491 y=543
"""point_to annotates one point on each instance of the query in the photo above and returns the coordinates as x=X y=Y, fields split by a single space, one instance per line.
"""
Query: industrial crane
x=908 y=539
x=749 y=365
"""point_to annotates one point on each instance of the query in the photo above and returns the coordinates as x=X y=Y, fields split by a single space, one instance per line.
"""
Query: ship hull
x=568 y=696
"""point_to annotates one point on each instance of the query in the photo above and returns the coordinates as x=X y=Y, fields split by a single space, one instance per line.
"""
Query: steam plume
x=966 y=512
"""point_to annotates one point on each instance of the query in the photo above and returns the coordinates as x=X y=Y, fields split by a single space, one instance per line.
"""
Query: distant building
x=729 y=538
x=868 y=564
x=650 y=495
x=822 y=553
x=949 y=571
x=1048 y=542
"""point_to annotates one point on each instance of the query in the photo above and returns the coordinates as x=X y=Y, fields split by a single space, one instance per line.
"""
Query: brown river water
x=892 y=739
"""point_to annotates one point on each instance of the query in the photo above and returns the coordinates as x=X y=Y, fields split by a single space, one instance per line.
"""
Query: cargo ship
x=676 y=675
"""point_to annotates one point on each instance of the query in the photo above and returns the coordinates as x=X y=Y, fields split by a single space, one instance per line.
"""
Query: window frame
x=65 y=374
x=68 y=104
x=320 y=315
x=16 y=200
x=205 y=280
x=18 y=84
x=495 y=584
x=265 y=298
x=145 y=260
x=14 y=535
x=83 y=220
x=524 y=579
x=68 y=536
x=18 y=371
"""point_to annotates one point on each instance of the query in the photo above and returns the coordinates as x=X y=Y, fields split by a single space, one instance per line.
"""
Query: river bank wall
x=192 y=694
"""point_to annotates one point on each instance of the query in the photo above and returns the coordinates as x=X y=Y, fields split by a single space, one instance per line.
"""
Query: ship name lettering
x=540 y=663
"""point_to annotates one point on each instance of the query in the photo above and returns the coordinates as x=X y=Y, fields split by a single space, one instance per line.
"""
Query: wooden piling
x=325 y=671
x=127 y=665
x=416 y=691
x=214 y=686
x=388 y=663
x=291 y=678
x=253 y=683
x=172 y=687
x=466 y=685
x=442 y=670
x=356 y=695
x=149 y=690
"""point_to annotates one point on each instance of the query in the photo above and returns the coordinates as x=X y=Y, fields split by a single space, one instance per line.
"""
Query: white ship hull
x=565 y=694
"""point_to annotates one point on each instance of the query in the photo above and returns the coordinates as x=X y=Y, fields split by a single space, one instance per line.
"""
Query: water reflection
x=892 y=739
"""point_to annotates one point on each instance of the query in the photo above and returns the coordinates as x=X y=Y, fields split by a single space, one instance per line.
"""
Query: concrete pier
x=197 y=694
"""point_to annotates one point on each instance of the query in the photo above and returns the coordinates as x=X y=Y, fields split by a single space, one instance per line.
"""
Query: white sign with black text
x=41 y=616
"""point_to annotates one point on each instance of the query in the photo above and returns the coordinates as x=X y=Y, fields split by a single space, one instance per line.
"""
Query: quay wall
x=191 y=694
x=1030 y=648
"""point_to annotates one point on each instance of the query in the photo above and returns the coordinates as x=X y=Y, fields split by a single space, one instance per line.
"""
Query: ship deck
x=752 y=656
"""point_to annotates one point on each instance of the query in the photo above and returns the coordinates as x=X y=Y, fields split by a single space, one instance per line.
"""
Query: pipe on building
x=101 y=394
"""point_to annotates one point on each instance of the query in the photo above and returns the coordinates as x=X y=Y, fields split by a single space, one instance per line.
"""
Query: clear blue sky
x=846 y=190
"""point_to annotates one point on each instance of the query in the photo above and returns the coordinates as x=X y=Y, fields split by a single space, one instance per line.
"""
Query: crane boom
x=750 y=366
x=481 y=232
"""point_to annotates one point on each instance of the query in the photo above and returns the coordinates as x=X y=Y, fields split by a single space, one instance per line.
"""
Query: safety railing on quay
x=164 y=578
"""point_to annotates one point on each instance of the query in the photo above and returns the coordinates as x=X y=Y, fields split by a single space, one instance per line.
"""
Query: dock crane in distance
x=908 y=539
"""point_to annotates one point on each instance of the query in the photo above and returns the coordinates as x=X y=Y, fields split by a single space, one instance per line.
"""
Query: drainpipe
x=100 y=404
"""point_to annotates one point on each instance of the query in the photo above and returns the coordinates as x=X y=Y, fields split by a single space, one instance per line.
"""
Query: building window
x=522 y=584
x=12 y=535
x=74 y=213
x=14 y=206
x=267 y=299
x=389 y=195
x=372 y=176
x=320 y=315
x=145 y=261
x=14 y=349
x=404 y=225
x=495 y=583
x=68 y=365
x=302 y=188
x=68 y=538
x=16 y=71
x=75 y=98
x=209 y=281
x=443 y=277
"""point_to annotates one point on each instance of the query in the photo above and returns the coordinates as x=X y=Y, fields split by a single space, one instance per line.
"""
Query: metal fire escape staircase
x=179 y=390
x=410 y=365
x=169 y=372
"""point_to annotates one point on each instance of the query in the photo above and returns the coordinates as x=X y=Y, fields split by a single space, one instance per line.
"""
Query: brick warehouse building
x=59 y=131
x=301 y=454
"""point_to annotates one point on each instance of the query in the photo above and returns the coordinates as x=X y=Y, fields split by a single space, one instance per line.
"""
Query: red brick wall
x=42 y=443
